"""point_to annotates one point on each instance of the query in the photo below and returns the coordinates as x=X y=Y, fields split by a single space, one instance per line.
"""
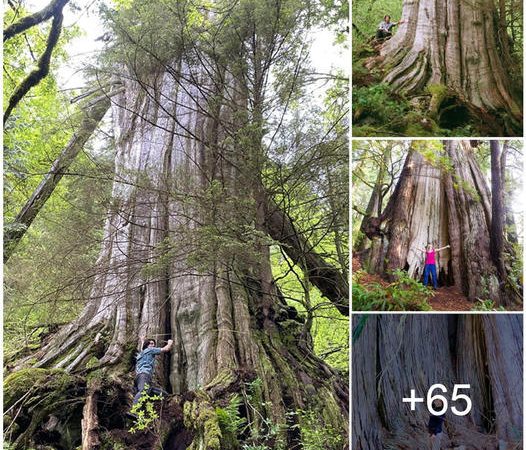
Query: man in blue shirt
x=145 y=365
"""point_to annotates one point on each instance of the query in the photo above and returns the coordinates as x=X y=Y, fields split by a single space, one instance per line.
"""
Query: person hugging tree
x=145 y=366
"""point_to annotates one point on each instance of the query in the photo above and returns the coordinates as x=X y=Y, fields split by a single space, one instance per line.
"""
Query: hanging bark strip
x=93 y=114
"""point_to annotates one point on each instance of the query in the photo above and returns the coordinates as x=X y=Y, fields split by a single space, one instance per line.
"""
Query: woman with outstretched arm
x=430 y=265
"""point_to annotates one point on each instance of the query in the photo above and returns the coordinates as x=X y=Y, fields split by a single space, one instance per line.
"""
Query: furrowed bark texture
x=453 y=44
x=497 y=209
x=395 y=354
x=164 y=269
x=441 y=205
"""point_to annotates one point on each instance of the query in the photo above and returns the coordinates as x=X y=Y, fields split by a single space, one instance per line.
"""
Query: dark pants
x=141 y=380
x=430 y=268
x=382 y=34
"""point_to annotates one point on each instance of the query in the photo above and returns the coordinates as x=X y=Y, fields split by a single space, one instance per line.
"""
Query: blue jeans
x=140 y=381
x=430 y=268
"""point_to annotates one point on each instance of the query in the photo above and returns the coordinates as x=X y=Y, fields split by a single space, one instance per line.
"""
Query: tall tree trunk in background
x=441 y=204
x=374 y=209
x=511 y=227
x=394 y=354
x=186 y=254
x=453 y=44
x=497 y=210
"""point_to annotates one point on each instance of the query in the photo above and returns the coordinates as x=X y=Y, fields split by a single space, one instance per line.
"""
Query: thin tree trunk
x=94 y=112
x=497 y=210
x=510 y=226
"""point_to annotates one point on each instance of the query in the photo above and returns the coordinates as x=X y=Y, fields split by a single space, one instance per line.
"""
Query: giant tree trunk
x=394 y=354
x=453 y=44
x=184 y=255
x=441 y=203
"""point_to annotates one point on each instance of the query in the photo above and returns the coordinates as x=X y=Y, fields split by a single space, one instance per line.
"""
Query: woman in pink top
x=430 y=267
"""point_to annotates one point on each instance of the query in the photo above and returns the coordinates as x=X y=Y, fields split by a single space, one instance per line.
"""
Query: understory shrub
x=404 y=294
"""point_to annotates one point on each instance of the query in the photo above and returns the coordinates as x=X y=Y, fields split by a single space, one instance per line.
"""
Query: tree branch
x=323 y=275
x=42 y=66
x=27 y=22
x=16 y=230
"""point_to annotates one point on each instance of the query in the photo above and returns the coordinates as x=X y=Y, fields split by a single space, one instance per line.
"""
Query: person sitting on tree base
x=430 y=265
x=384 y=28
x=145 y=365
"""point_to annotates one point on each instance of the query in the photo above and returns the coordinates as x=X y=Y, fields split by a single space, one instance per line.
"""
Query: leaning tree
x=394 y=354
x=186 y=246
x=442 y=197
x=457 y=49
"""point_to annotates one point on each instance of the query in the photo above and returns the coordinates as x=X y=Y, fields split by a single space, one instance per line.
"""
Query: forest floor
x=447 y=298
x=450 y=299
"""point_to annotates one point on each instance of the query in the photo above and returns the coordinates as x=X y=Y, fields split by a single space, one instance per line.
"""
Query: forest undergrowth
x=370 y=292
x=379 y=110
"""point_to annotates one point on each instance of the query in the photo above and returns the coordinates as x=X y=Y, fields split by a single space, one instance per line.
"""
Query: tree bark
x=453 y=45
x=27 y=22
x=441 y=204
x=323 y=275
x=395 y=354
x=510 y=226
x=43 y=63
x=185 y=254
x=497 y=210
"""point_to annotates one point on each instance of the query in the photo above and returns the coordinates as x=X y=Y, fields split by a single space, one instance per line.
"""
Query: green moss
x=18 y=383
x=223 y=378
x=92 y=362
x=419 y=124
x=201 y=416
x=438 y=94
x=437 y=89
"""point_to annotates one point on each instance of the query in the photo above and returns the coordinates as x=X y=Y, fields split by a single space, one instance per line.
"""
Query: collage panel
x=437 y=225
x=437 y=381
x=176 y=225
x=437 y=68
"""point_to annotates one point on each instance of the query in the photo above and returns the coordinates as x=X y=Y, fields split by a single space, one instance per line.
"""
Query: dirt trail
x=448 y=298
